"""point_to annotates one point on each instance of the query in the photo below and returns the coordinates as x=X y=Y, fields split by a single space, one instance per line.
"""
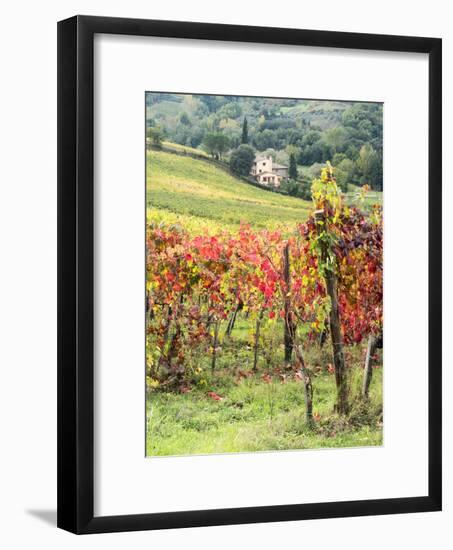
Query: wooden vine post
x=368 y=368
x=342 y=406
x=232 y=319
x=257 y=338
x=374 y=342
x=289 y=328
x=215 y=344
x=306 y=379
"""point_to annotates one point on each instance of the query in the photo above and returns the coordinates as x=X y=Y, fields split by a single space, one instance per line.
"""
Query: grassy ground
x=257 y=416
x=198 y=194
x=254 y=416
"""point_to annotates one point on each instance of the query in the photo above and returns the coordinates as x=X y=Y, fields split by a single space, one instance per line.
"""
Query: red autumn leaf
x=214 y=395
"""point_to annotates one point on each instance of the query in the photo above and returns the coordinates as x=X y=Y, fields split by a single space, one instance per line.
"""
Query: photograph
x=264 y=274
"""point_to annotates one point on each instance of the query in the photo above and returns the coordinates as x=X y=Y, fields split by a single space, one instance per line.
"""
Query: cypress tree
x=292 y=167
x=245 y=131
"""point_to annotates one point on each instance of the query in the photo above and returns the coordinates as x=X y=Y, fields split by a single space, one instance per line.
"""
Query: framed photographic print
x=249 y=274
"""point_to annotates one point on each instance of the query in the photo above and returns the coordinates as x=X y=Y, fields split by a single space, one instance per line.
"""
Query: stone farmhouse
x=266 y=171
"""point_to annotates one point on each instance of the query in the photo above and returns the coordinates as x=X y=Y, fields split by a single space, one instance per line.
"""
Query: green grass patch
x=254 y=416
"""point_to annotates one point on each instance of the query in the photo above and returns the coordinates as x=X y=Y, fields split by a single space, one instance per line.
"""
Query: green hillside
x=198 y=195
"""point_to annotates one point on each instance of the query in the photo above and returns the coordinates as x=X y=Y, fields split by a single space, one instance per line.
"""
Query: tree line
x=305 y=133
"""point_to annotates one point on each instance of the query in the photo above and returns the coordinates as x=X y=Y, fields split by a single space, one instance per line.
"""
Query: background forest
x=304 y=132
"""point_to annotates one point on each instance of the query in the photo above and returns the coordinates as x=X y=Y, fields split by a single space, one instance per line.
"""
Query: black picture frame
x=76 y=260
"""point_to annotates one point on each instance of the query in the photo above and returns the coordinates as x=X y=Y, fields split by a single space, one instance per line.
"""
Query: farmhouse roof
x=266 y=174
x=274 y=164
x=261 y=157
